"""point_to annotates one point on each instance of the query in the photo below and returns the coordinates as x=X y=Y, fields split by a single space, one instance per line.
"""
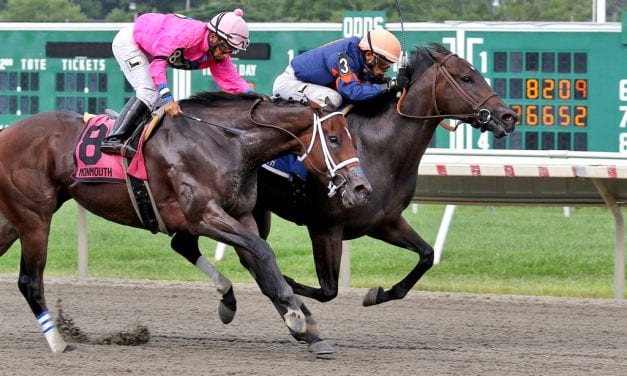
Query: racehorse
x=391 y=136
x=203 y=176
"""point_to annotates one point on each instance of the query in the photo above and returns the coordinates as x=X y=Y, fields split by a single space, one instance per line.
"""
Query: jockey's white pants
x=287 y=86
x=134 y=64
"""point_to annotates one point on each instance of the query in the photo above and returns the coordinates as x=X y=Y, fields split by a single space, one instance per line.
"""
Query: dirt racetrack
x=423 y=334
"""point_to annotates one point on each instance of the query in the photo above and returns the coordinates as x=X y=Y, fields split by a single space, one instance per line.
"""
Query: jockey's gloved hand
x=394 y=85
x=402 y=78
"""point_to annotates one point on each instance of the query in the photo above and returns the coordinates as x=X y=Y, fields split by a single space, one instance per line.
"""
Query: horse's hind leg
x=30 y=283
x=187 y=246
x=8 y=235
x=20 y=221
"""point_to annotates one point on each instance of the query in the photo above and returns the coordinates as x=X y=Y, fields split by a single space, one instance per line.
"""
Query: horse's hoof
x=226 y=314
x=69 y=348
x=295 y=320
x=372 y=296
x=321 y=348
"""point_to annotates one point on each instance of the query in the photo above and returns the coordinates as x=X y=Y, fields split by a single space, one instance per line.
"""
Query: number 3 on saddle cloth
x=94 y=166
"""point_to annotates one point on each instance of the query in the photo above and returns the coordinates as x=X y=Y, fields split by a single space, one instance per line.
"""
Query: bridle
x=336 y=180
x=480 y=118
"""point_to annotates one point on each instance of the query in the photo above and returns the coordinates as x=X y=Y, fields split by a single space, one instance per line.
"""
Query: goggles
x=382 y=62
x=237 y=41
x=226 y=48
x=231 y=45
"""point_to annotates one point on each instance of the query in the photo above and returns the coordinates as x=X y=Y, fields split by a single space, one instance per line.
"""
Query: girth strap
x=143 y=202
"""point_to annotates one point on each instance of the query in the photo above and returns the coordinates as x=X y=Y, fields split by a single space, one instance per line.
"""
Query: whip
x=404 y=60
x=228 y=129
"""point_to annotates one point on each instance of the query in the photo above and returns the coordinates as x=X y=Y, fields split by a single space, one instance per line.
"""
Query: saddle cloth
x=287 y=166
x=93 y=166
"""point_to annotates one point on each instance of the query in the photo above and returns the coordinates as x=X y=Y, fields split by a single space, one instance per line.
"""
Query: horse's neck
x=415 y=133
x=267 y=143
x=393 y=142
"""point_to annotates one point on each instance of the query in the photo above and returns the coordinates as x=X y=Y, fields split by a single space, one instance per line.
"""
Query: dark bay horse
x=391 y=137
x=202 y=177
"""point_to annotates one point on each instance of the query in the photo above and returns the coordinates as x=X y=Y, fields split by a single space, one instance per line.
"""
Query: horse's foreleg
x=187 y=246
x=263 y=218
x=327 y=252
x=257 y=256
x=317 y=345
x=31 y=285
x=312 y=335
x=327 y=267
x=400 y=233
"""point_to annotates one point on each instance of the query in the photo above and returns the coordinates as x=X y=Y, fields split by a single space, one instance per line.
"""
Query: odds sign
x=357 y=24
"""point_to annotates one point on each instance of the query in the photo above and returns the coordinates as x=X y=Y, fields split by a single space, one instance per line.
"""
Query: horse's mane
x=421 y=60
x=213 y=98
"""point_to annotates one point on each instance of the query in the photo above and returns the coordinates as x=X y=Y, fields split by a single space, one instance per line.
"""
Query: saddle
x=148 y=123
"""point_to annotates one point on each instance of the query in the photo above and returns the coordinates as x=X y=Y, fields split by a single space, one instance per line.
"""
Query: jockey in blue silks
x=345 y=70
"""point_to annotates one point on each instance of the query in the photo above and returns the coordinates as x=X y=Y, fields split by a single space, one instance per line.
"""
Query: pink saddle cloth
x=94 y=166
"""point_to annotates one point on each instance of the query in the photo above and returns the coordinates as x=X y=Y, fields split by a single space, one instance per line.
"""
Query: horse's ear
x=437 y=51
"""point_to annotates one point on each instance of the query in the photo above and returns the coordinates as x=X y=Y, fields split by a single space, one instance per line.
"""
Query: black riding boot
x=133 y=111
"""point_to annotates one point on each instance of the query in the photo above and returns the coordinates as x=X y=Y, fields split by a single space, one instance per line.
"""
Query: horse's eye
x=334 y=139
x=467 y=79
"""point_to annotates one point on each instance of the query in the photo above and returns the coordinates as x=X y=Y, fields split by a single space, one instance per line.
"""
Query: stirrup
x=112 y=145
x=118 y=147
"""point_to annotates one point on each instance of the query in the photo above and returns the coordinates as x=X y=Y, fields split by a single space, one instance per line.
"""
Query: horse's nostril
x=510 y=117
x=363 y=190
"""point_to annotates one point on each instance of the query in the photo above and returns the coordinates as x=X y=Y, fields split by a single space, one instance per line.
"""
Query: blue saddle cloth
x=287 y=166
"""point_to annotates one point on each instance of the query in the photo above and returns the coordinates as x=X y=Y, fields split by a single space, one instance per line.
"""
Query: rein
x=482 y=116
x=332 y=167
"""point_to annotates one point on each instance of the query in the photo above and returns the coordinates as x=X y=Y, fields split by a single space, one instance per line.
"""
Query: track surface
x=423 y=334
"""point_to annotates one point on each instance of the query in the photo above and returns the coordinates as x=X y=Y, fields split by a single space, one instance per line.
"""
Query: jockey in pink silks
x=158 y=41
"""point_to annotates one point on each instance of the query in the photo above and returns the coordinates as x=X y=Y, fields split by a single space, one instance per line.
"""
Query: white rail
x=557 y=178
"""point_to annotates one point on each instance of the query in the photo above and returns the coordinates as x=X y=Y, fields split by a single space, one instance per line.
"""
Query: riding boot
x=133 y=111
